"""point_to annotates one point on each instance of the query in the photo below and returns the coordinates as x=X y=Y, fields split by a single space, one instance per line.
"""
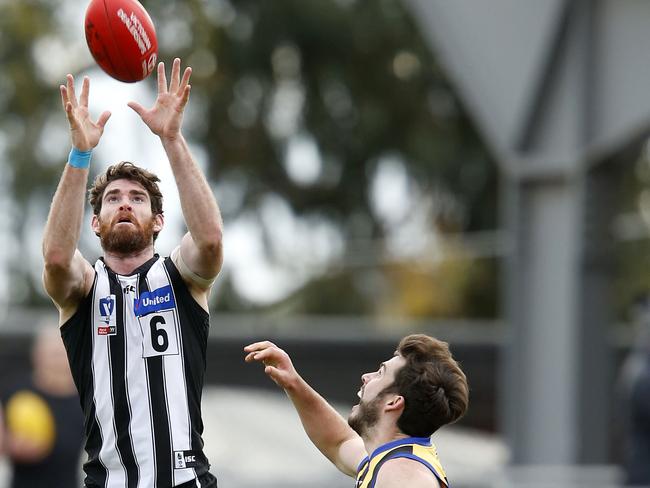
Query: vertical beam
x=594 y=360
x=558 y=294
x=541 y=386
x=568 y=98
x=557 y=369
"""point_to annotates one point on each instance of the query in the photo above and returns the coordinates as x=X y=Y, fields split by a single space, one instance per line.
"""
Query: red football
x=121 y=38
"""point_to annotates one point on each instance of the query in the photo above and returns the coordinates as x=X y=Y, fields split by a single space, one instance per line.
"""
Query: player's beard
x=366 y=415
x=126 y=239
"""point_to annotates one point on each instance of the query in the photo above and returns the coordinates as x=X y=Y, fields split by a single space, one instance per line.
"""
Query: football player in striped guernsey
x=386 y=441
x=135 y=324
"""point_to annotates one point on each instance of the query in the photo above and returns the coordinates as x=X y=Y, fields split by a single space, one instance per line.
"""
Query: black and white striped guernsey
x=137 y=347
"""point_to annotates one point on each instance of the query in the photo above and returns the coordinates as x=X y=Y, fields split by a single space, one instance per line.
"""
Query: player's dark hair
x=128 y=171
x=434 y=387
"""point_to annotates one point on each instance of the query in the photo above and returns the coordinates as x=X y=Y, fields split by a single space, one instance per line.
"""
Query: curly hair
x=434 y=387
x=128 y=171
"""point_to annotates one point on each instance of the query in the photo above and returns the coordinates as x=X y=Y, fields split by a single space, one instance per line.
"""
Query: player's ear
x=94 y=223
x=159 y=222
x=394 y=403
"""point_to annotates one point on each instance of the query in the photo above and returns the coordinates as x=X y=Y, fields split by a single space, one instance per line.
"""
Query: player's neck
x=125 y=264
x=380 y=435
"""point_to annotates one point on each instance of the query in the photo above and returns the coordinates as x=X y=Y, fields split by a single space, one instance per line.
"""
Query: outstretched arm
x=200 y=256
x=329 y=432
x=67 y=275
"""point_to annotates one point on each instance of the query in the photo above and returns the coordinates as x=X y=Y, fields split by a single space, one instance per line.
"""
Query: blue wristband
x=79 y=159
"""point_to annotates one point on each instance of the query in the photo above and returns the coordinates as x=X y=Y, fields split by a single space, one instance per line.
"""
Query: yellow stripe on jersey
x=419 y=449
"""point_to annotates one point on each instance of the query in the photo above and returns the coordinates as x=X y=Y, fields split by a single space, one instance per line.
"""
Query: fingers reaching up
x=84 y=132
x=162 y=78
x=166 y=116
x=177 y=85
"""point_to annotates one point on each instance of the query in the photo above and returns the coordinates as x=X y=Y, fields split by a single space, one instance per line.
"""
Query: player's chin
x=124 y=240
x=123 y=233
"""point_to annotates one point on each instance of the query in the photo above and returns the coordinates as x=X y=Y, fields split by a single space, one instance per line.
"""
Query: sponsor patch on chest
x=186 y=459
x=106 y=312
x=154 y=301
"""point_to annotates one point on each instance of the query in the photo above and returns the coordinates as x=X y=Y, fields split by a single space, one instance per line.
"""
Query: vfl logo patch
x=106 y=308
x=106 y=311
x=154 y=301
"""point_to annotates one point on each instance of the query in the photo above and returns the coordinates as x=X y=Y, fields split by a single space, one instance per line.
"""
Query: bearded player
x=386 y=441
x=135 y=325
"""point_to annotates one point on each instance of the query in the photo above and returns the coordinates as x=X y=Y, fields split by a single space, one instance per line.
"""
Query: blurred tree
x=632 y=284
x=298 y=100
x=355 y=79
x=25 y=102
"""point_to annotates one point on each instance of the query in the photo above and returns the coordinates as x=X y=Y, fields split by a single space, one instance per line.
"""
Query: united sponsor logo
x=154 y=301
